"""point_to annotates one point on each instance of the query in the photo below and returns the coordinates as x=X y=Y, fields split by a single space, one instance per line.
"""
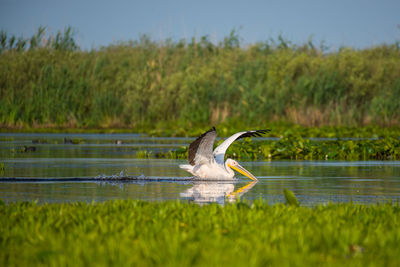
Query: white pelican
x=206 y=164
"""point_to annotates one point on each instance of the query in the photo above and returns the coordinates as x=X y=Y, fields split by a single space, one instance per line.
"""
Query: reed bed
x=50 y=82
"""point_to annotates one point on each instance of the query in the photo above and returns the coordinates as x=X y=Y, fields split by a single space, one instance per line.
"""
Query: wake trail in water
x=121 y=177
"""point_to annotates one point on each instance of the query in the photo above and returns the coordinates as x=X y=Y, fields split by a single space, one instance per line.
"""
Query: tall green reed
x=51 y=82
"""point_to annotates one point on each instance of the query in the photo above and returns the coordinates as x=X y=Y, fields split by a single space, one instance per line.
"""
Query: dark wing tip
x=256 y=133
x=195 y=145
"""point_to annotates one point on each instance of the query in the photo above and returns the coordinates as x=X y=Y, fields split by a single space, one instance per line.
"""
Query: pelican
x=206 y=164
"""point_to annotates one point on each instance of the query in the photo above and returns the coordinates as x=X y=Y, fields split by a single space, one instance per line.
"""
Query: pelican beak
x=243 y=171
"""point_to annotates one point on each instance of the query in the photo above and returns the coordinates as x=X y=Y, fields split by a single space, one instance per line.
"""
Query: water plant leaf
x=290 y=198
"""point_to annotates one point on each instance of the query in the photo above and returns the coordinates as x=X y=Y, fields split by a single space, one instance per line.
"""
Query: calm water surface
x=111 y=156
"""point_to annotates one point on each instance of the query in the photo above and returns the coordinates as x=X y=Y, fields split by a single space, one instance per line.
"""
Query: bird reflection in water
x=215 y=192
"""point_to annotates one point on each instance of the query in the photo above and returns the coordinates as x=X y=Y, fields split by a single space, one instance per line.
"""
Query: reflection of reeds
x=48 y=81
x=2 y=169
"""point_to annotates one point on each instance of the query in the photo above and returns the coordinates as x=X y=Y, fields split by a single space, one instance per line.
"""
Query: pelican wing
x=219 y=152
x=201 y=150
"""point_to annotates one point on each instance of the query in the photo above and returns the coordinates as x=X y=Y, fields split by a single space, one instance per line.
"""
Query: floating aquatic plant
x=296 y=147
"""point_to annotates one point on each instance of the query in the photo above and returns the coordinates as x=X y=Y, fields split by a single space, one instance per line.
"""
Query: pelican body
x=208 y=164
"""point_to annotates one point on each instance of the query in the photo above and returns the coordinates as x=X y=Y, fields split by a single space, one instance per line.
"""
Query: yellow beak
x=243 y=171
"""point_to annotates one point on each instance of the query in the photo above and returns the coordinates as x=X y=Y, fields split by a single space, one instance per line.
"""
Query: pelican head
x=233 y=164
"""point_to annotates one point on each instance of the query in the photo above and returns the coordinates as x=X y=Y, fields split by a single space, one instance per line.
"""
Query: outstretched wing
x=219 y=151
x=201 y=150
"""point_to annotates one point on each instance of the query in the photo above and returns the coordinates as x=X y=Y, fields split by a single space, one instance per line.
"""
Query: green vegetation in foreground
x=136 y=233
x=290 y=198
x=46 y=81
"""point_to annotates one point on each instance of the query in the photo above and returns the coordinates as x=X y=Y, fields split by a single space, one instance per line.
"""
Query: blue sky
x=354 y=23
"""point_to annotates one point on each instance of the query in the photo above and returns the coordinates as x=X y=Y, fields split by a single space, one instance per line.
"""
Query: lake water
x=88 y=167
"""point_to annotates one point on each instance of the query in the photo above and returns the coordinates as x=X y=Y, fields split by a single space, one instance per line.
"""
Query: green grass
x=136 y=233
x=227 y=129
x=49 y=82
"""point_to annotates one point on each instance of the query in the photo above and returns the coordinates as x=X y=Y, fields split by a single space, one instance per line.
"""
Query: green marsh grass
x=136 y=233
x=227 y=129
x=50 y=82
